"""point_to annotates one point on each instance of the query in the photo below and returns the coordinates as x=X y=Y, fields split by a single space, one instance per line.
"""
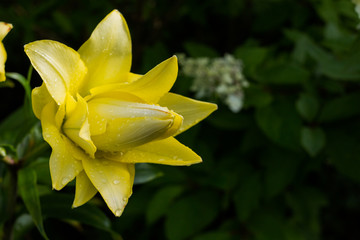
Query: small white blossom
x=216 y=77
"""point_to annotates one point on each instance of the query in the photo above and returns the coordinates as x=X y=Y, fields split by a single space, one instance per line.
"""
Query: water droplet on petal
x=116 y=182
x=118 y=212
x=65 y=180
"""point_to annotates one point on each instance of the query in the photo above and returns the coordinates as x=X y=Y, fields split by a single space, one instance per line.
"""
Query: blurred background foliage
x=286 y=167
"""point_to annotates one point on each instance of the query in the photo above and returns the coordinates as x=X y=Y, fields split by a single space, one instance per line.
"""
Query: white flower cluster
x=216 y=77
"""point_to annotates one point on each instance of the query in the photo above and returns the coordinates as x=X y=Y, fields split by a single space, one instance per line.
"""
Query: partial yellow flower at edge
x=4 y=30
x=100 y=119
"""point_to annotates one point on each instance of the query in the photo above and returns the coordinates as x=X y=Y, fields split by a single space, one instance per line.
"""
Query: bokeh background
x=285 y=167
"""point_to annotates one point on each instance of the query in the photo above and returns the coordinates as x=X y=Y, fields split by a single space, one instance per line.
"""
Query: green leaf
x=30 y=196
x=59 y=205
x=159 y=204
x=280 y=123
x=252 y=57
x=23 y=81
x=227 y=120
x=16 y=126
x=191 y=214
x=247 y=196
x=196 y=50
x=41 y=167
x=215 y=235
x=306 y=204
x=340 y=108
x=343 y=148
x=281 y=169
x=257 y=96
x=313 y=140
x=307 y=106
x=145 y=172
x=267 y=225
x=284 y=74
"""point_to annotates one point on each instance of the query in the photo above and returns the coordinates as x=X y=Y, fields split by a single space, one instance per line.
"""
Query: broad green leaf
x=307 y=106
x=343 y=148
x=58 y=205
x=30 y=196
x=306 y=204
x=280 y=170
x=41 y=167
x=340 y=108
x=215 y=235
x=145 y=172
x=257 y=96
x=335 y=67
x=16 y=126
x=267 y=225
x=196 y=50
x=313 y=140
x=161 y=201
x=252 y=57
x=283 y=74
x=280 y=123
x=247 y=196
x=227 y=120
x=191 y=214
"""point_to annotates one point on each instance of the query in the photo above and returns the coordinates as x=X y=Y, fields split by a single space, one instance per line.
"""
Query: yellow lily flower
x=100 y=119
x=4 y=29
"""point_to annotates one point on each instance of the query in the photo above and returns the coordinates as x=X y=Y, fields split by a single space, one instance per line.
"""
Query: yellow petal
x=4 y=29
x=115 y=87
x=155 y=83
x=168 y=151
x=2 y=62
x=113 y=180
x=64 y=163
x=129 y=124
x=84 y=189
x=76 y=126
x=193 y=111
x=59 y=66
x=107 y=53
x=40 y=97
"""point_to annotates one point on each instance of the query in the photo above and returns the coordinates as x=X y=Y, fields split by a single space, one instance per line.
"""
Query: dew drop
x=65 y=180
x=118 y=212
x=116 y=182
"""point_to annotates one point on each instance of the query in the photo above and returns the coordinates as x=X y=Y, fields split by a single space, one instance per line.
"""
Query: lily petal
x=193 y=111
x=84 y=190
x=58 y=65
x=168 y=151
x=129 y=124
x=64 y=163
x=3 y=57
x=76 y=125
x=113 y=180
x=155 y=83
x=40 y=97
x=4 y=29
x=107 y=53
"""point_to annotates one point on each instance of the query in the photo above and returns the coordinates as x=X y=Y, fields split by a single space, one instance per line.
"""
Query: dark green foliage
x=286 y=167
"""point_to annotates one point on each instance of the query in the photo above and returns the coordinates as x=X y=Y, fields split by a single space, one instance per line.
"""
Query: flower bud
x=116 y=125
